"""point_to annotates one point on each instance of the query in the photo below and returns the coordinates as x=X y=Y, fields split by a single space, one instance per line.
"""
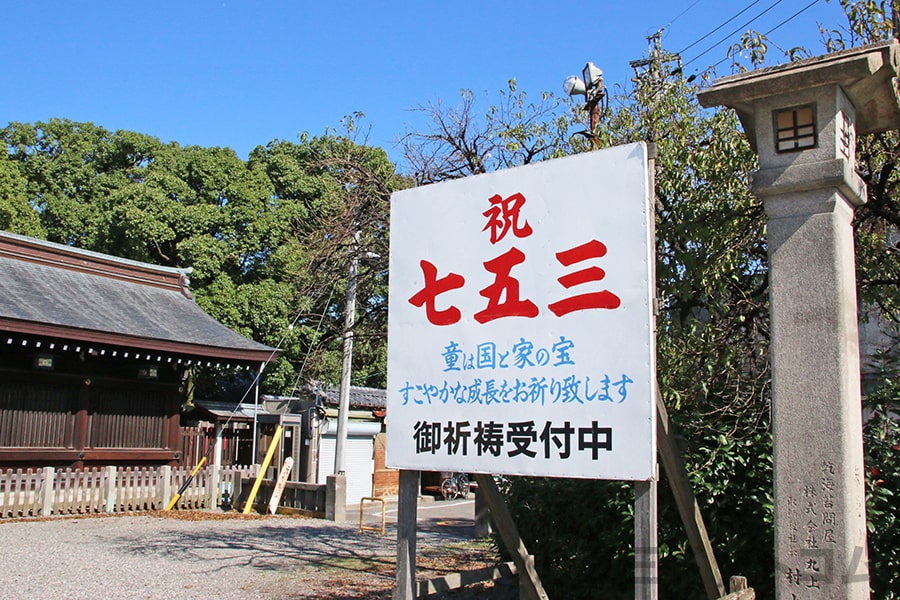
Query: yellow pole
x=262 y=471
x=185 y=485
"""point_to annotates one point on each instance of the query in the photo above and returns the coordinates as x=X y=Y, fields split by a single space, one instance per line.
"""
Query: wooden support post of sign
x=405 y=586
x=646 y=551
x=280 y=484
x=687 y=504
x=276 y=439
x=530 y=586
x=645 y=542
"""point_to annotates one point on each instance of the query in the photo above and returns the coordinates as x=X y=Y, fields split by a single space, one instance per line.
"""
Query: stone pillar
x=802 y=119
x=820 y=521
x=336 y=498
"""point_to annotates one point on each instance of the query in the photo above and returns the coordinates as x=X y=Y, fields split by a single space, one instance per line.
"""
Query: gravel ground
x=217 y=555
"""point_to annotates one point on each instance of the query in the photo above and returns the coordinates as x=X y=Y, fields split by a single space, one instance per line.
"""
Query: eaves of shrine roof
x=60 y=292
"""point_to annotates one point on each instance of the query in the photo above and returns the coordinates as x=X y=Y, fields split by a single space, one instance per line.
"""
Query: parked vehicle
x=455 y=485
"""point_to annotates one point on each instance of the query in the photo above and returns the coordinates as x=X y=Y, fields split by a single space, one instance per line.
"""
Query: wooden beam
x=688 y=508
x=405 y=586
x=646 y=547
x=82 y=418
x=454 y=581
x=530 y=586
x=173 y=422
x=106 y=455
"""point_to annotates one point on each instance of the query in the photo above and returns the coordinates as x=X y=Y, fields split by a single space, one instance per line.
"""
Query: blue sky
x=240 y=73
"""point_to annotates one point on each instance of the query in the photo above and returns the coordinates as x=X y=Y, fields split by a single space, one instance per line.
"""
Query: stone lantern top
x=867 y=75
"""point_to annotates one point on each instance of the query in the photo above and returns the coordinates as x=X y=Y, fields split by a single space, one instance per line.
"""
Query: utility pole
x=347 y=365
x=591 y=86
x=658 y=66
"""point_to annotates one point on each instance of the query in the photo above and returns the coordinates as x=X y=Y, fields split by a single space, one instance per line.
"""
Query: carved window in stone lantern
x=846 y=138
x=795 y=129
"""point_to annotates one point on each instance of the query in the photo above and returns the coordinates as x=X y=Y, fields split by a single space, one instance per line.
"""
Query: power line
x=682 y=13
x=792 y=17
x=716 y=45
x=788 y=20
x=746 y=8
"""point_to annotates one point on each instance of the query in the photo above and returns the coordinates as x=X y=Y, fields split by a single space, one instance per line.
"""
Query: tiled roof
x=360 y=397
x=58 y=291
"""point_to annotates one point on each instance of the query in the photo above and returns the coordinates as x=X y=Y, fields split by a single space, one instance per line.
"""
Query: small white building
x=310 y=422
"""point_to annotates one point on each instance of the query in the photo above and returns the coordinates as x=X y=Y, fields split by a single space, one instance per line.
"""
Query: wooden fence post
x=165 y=480
x=47 y=491
x=110 y=489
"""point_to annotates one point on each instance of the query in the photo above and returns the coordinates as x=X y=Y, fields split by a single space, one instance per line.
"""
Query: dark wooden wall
x=86 y=411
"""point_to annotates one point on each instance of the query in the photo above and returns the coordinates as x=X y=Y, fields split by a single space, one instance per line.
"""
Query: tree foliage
x=268 y=239
x=16 y=214
x=460 y=142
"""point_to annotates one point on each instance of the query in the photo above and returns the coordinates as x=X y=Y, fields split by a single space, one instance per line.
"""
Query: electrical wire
x=792 y=17
x=716 y=45
x=679 y=15
x=788 y=20
x=746 y=8
x=309 y=348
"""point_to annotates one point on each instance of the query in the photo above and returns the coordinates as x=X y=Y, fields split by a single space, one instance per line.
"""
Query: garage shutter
x=359 y=460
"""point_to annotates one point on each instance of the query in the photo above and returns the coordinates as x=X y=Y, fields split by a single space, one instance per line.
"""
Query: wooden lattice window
x=795 y=129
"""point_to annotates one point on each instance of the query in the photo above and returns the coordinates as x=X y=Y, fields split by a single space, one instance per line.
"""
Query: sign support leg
x=530 y=586
x=645 y=542
x=405 y=588
x=687 y=504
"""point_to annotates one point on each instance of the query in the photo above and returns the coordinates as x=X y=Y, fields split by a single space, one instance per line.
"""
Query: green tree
x=269 y=239
x=344 y=187
x=16 y=214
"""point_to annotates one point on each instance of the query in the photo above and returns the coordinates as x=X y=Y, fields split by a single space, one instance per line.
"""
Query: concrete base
x=336 y=498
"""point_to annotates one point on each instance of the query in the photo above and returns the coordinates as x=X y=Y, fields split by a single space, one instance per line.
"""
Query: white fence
x=48 y=491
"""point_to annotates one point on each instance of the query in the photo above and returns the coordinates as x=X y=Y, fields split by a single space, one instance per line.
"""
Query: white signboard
x=520 y=327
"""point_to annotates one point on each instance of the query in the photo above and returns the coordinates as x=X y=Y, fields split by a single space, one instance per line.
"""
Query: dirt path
x=224 y=555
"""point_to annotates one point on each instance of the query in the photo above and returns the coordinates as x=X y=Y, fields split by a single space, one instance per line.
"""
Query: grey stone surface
x=809 y=197
x=819 y=495
x=336 y=498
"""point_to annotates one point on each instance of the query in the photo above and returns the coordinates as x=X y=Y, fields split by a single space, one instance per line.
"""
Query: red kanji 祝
x=503 y=216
